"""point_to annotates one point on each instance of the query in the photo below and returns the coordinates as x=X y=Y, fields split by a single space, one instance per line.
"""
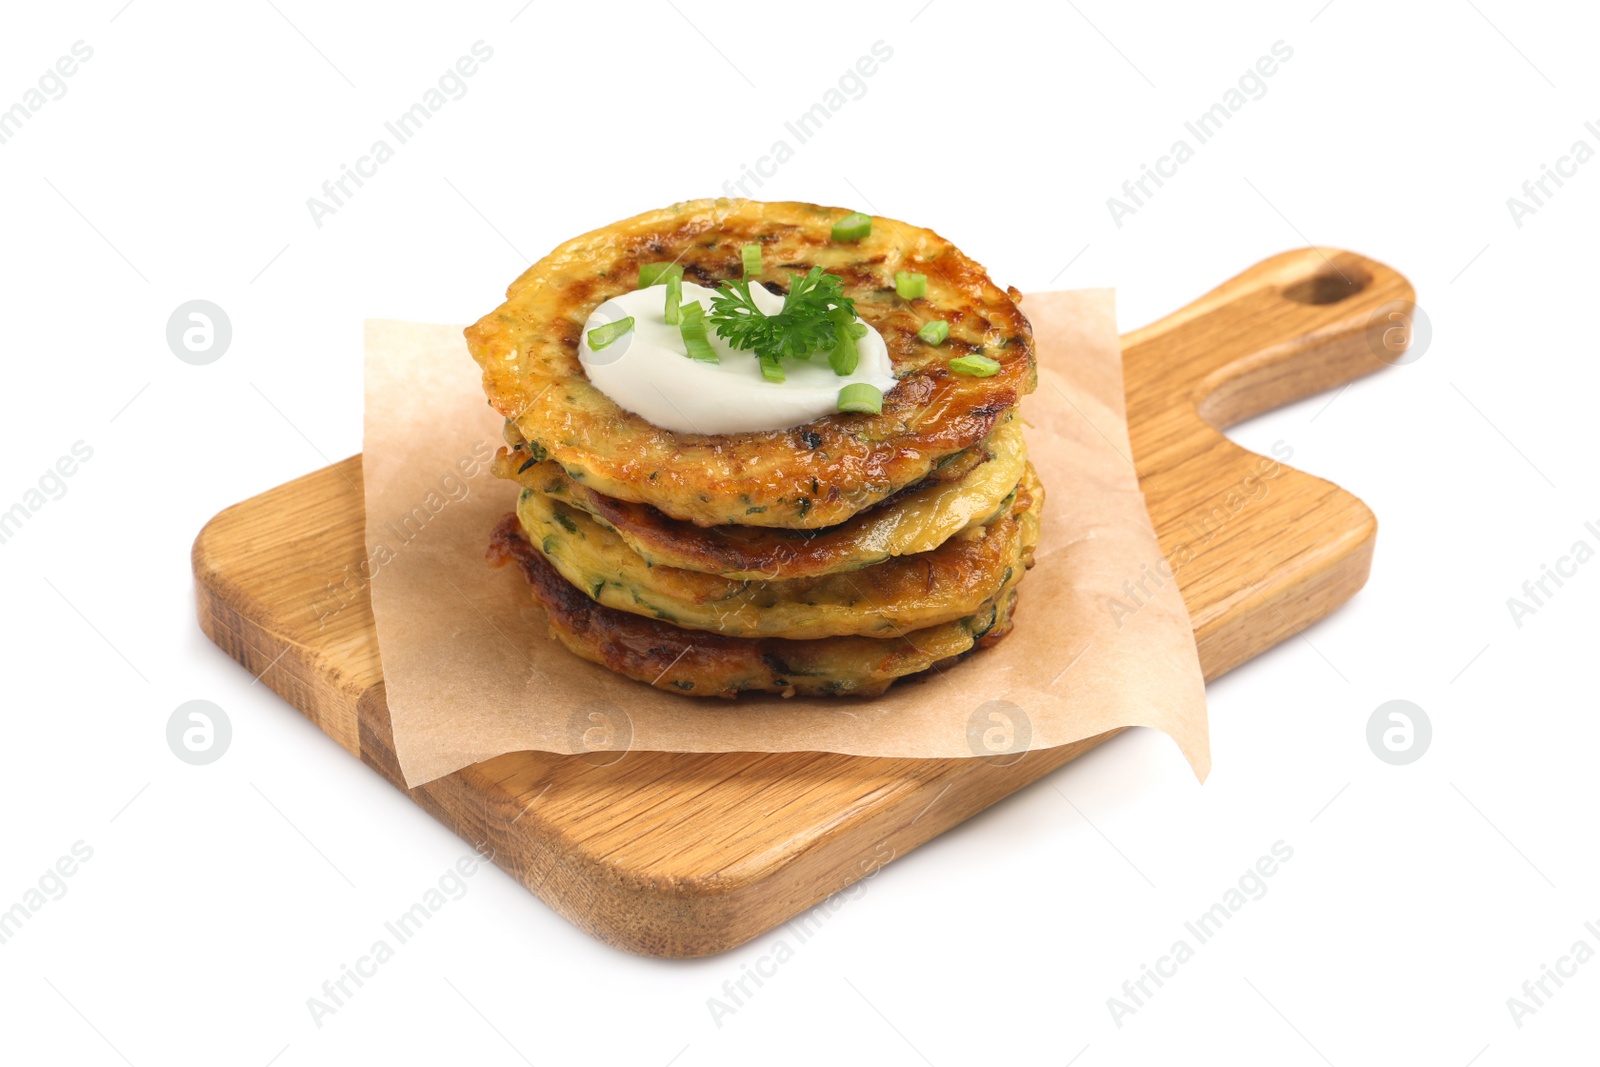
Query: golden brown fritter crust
x=808 y=477
x=693 y=663
x=888 y=599
x=967 y=491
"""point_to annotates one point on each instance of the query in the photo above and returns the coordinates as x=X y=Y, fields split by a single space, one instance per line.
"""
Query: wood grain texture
x=670 y=854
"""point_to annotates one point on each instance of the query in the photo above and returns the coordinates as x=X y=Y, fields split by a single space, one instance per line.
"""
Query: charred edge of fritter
x=566 y=604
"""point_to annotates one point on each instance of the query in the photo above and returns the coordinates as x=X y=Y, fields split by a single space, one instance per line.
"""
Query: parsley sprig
x=816 y=317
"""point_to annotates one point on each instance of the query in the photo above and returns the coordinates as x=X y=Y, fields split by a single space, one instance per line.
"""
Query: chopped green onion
x=772 y=368
x=935 y=332
x=976 y=366
x=853 y=227
x=601 y=336
x=656 y=273
x=752 y=259
x=861 y=399
x=674 y=298
x=844 y=355
x=692 y=328
x=910 y=285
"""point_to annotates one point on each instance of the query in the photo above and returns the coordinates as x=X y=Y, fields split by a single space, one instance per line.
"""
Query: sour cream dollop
x=647 y=372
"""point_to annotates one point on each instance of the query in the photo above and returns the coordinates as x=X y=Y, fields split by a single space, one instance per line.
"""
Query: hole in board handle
x=1337 y=280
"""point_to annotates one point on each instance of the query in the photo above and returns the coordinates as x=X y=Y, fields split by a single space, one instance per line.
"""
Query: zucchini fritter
x=807 y=477
x=887 y=599
x=918 y=519
x=693 y=663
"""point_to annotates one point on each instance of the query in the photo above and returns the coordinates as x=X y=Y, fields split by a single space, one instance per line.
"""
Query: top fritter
x=804 y=477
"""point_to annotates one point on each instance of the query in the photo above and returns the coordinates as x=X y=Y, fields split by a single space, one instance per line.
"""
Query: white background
x=219 y=898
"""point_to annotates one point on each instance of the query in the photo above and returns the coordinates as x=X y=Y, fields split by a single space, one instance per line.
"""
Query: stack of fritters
x=830 y=558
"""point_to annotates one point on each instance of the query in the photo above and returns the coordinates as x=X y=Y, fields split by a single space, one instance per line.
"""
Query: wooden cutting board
x=671 y=854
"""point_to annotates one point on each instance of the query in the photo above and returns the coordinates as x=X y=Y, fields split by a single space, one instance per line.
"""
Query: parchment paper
x=471 y=673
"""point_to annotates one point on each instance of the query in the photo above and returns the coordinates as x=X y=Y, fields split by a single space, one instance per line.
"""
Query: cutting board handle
x=1279 y=548
x=1288 y=327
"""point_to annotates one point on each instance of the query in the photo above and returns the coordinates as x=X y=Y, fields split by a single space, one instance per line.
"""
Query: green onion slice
x=752 y=259
x=674 y=298
x=656 y=273
x=692 y=328
x=601 y=336
x=976 y=366
x=853 y=227
x=844 y=356
x=772 y=368
x=861 y=399
x=935 y=332
x=910 y=285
